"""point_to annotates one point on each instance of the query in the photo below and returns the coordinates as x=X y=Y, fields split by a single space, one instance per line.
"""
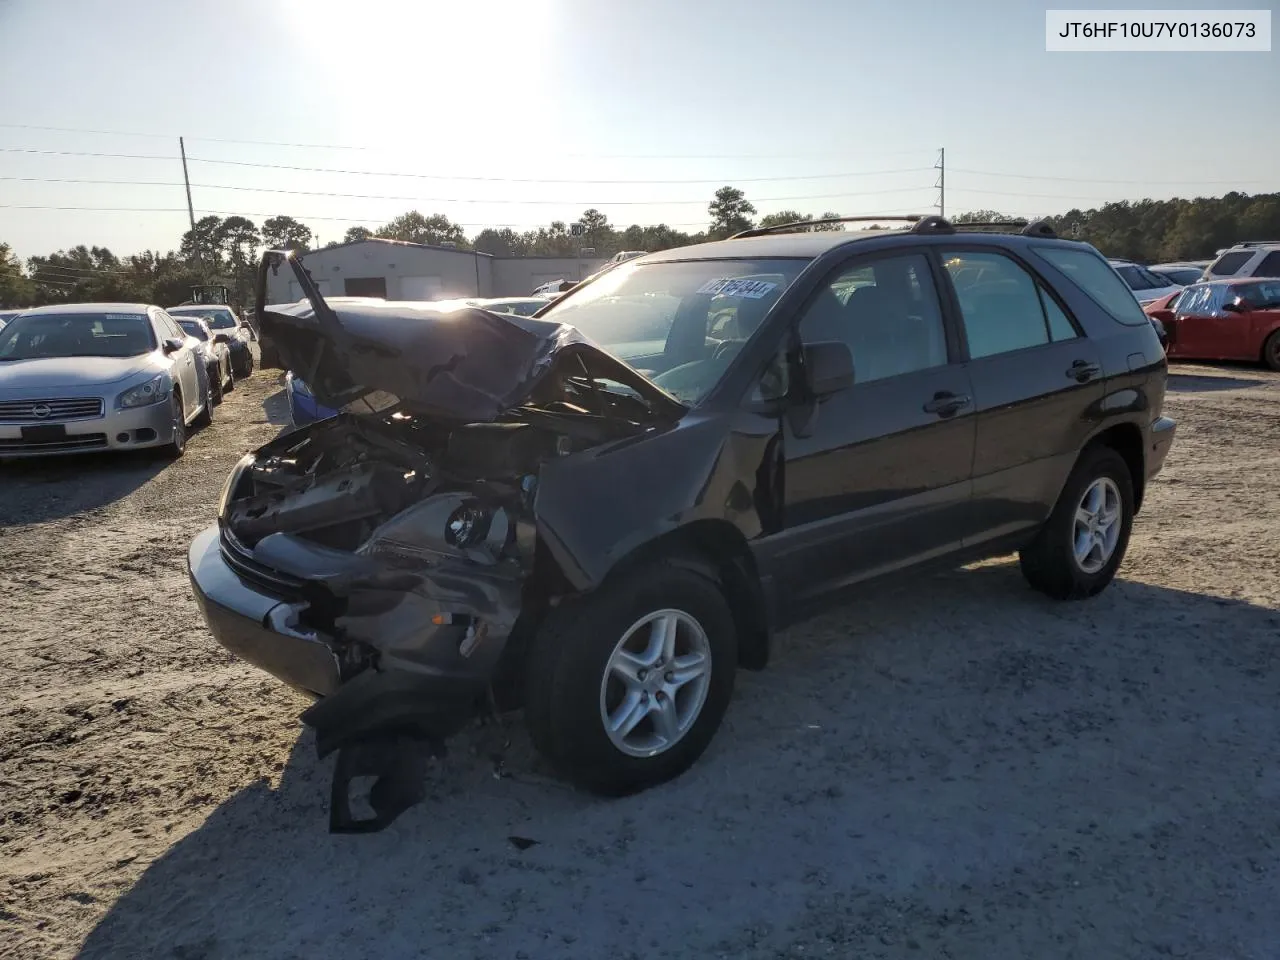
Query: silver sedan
x=98 y=376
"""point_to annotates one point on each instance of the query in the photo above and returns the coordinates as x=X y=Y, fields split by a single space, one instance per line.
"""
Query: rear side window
x=1097 y=278
x=1229 y=264
x=1270 y=266
x=1002 y=305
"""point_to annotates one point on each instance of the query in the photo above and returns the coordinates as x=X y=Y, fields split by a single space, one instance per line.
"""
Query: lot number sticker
x=748 y=289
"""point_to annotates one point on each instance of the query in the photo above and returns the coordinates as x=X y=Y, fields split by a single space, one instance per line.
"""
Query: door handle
x=946 y=404
x=1083 y=371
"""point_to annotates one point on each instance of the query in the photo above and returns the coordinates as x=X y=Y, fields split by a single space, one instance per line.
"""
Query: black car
x=223 y=320
x=599 y=513
x=215 y=350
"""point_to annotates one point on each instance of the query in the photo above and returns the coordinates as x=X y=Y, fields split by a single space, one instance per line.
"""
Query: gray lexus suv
x=599 y=513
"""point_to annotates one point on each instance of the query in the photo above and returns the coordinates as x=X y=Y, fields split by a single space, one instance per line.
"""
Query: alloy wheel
x=1097 y=525
x=655 y=683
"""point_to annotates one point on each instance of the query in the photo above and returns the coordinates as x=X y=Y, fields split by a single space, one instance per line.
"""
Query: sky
x=519 y=112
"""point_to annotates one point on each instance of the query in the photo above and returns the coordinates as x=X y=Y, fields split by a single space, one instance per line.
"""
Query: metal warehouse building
x=398 y=270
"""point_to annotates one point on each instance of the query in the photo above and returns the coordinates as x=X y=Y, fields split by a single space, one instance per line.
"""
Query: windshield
x=41 y=336
x=1182 y=275
x=679 y=324
x=218 y=318
x=194 y=328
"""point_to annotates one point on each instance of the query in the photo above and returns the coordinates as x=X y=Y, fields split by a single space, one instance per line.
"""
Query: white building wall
x=413 y=272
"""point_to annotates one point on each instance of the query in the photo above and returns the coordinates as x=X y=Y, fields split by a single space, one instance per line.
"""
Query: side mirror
x=172 y=345
x=829 y=367
x=221 y=338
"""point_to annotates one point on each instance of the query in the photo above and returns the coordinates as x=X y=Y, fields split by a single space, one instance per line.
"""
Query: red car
x=1222 y=320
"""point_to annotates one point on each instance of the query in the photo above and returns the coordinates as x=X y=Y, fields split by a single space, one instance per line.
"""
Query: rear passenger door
x=883 y=479
x=1035 y=380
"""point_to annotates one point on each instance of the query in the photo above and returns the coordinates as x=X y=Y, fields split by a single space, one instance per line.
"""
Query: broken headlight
x=468 y=525
x=446 y=525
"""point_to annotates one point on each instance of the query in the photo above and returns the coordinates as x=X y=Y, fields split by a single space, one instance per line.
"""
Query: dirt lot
x=952 y=769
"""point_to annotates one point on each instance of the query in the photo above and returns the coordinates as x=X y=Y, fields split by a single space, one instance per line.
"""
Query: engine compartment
x=337 y=481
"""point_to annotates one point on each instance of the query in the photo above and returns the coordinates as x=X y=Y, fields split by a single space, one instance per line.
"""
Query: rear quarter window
x=1098 y=279
x=1270 y=265
x=1229 y=264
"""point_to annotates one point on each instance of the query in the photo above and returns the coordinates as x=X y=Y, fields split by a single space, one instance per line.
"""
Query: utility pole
x=186 y=180
x=941 y=185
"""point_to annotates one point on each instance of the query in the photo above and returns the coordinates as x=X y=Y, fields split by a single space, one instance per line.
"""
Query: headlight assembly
x=145 y=394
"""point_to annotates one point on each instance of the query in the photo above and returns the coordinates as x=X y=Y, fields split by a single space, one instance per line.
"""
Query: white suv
x=1146 y=286
x=1254 y=259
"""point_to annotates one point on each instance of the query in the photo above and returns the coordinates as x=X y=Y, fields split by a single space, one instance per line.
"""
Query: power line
x=1167 y=183
x=347 y=146
x=433 y=176
x=412 y=199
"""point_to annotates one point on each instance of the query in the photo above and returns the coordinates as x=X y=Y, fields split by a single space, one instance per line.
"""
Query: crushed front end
x=380 y=564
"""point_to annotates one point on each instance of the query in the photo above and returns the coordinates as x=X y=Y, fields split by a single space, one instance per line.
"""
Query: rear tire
x=1073 y=557
x=1271 y=351
x=679 y=688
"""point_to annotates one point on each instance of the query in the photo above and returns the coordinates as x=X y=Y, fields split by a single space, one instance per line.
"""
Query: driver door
x=883 y=479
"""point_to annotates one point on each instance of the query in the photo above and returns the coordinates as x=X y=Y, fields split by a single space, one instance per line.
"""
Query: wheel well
x=1126 y=440
x=722 y=548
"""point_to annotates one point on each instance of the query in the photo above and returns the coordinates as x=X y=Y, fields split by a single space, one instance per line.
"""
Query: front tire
x=1077 y=552
x=215 y=384
x=178 y=445
x=626 y=687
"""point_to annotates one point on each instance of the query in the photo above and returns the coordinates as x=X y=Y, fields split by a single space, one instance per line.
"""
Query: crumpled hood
x=457 y=363
x=72 y=372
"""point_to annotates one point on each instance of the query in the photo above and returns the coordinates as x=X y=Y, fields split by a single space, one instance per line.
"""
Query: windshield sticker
x=737 y=287
x=124 y=316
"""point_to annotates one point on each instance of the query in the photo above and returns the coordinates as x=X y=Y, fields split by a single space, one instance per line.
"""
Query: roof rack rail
x=795 y=224
x=939 y=225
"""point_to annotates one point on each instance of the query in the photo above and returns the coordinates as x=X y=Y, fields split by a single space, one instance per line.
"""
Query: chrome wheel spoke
x=686 y=668
x=1098 y=523
x=633 y=708
x=666 y=722
x=628 y=667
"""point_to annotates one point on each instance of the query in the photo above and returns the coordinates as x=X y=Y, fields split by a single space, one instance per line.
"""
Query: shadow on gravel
x=50 y=488
x=956 y=767
x=1199 y=383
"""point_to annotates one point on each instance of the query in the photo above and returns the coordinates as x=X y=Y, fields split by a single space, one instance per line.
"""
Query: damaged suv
x=600 y=512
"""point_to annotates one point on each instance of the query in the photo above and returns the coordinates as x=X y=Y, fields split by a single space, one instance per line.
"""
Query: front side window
x=678 y=323
x=42 y=336
x=887 y=312
x=1098 y=279
x=1003 y=307
x=1229 y=264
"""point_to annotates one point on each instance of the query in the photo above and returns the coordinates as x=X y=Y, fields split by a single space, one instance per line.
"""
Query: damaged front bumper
x=405 y=663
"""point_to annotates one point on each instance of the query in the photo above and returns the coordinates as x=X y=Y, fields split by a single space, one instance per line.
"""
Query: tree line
x=225 y=250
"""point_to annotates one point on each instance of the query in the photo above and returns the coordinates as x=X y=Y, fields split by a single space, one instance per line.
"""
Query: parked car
x=1181 y=274
x=215 y=353
x=222 y=319
x=1256 y=258
x=1223 y=320
x=98 y=376
x=304 y=408
x=600 y=513
x=1146 y=286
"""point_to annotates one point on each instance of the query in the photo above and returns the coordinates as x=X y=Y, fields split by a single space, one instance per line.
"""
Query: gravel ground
x=955 y=768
